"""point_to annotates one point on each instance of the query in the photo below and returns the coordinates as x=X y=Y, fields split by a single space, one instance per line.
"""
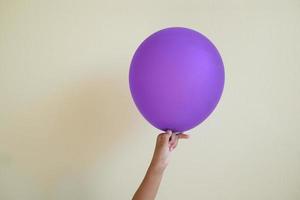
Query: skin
x=165 y=144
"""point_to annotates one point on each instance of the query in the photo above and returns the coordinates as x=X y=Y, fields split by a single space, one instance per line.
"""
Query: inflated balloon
x=176 y=78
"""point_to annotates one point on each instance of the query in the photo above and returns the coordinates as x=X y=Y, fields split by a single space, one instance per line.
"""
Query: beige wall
x=68 y=126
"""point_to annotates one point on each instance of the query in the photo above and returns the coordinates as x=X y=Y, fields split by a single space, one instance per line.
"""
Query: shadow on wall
x=71 y=129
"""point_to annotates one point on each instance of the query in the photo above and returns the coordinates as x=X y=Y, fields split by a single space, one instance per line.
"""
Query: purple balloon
x=176 y=78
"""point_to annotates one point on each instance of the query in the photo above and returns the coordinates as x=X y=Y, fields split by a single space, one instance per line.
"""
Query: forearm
x=150 y=184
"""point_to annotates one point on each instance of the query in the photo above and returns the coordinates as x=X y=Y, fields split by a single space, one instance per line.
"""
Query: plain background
x=69 y=128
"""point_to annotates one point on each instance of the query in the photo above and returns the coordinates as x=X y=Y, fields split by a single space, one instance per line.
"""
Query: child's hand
x=165 y=144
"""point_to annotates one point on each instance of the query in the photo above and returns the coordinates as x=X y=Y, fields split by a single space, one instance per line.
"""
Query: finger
x=175 y=143
x=169 y=133
x=183 y=136
x=171 y=141
x=164 y=137
x=173 y=138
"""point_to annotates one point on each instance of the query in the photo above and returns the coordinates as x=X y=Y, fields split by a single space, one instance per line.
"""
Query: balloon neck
x=176 y=132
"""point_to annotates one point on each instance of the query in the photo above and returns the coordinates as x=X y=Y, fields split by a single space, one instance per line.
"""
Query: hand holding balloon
x=176 y=80
x=165 y=144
